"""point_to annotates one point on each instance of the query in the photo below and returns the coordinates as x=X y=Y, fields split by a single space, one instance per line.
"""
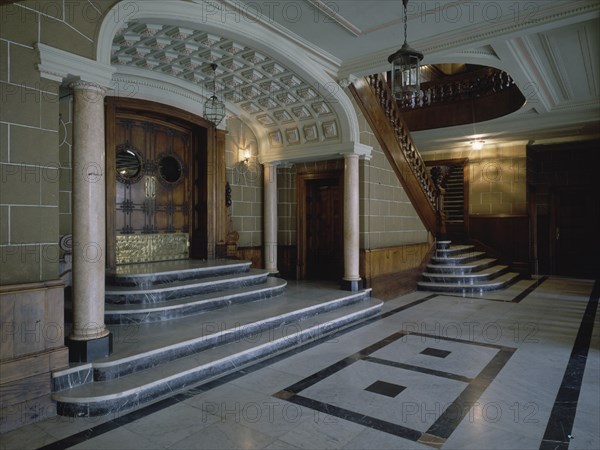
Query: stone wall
x=387 y=217
x=497 y=178
x=35 y=187
x=246 y=181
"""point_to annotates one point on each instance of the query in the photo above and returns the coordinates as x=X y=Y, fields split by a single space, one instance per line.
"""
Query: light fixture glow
x=477 y=145
x=246 y=154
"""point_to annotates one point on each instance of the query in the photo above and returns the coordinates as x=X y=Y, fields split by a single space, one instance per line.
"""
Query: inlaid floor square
x=435 y=352
x=385 y=388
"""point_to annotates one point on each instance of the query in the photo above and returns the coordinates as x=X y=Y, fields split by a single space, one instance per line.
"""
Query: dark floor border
x=562 y=417
x=444 y=425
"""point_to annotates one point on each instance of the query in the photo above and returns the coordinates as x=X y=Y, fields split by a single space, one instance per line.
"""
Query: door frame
x=208 y=213
x=302 y=180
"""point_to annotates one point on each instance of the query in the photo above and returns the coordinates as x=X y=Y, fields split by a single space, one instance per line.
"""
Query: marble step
x=174 y=309
x=139 y=346
x=454 y=250
x=458 y=269
x=466 y=278
x=497 y=283
x=440 y=245
x=149 y=274
x=131 y=391
x=183 y=288
x=457 y=259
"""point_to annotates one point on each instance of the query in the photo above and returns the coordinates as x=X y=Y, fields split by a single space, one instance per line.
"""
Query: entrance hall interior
x=232 y=224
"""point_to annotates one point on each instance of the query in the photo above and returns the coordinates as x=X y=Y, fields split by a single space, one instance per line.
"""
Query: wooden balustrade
x=383 y=114
x=468 y=86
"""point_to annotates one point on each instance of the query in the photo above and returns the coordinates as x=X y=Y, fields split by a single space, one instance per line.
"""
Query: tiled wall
x=29 y=160
x=387 y=216
x=497 y=178
x=246 y=181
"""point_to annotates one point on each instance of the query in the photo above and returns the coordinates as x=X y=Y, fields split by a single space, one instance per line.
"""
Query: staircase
x=454 y=199
x=459 y=268
x=383 y=114
x=178 y=324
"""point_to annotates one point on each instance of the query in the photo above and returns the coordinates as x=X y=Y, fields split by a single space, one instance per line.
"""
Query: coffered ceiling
x=549 y=47
x=291 y=109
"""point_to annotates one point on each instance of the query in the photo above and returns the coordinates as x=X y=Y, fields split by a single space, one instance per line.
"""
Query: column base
x=275 y=274
x=351 y=285
x=89 y=350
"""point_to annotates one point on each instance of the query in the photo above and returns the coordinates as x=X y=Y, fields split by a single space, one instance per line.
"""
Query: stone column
x=270 y=213
x=351 y=280
x=89 y=338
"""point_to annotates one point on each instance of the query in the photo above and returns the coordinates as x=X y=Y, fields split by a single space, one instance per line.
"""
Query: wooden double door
x=157 y=183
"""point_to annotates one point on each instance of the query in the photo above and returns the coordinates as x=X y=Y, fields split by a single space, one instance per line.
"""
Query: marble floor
x=511 y=369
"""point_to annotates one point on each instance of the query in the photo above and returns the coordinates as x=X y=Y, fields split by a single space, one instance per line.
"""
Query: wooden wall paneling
x=392 y=271
x=503 y=237
x=211 y=197
x=221 y=181
x=254 y=254
x=32 y=346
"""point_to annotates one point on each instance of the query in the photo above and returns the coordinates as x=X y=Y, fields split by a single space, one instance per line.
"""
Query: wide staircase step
x=185 y=288
x=149 y=274
x=182 y=323
x=181 y=307
x=460 y=268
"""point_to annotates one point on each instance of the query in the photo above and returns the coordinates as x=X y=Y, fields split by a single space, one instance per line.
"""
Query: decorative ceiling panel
x=266 y=90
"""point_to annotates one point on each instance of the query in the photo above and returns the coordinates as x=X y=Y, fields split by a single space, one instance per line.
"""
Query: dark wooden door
x=153 y=189
x=573 y=234
x=324 y=230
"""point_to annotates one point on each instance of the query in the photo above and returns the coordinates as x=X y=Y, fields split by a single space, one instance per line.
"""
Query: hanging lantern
x=214 y=108
x=405 y=68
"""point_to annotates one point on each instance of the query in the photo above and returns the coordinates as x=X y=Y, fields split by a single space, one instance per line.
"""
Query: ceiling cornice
x=474 y=35
x=329 y=62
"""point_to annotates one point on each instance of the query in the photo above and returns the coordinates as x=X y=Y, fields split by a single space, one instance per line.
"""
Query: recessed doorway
x=320 y=203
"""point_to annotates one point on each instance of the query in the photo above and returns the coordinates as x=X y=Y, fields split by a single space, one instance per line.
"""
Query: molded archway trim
x=261 y=36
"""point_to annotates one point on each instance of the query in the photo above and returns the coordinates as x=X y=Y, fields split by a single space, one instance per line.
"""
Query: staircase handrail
x=379 y=89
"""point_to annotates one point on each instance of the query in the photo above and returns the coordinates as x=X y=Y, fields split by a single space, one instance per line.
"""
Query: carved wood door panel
x=324 y=230
x=153 y=190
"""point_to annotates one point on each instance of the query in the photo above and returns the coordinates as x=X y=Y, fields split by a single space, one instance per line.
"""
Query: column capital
x=88 y=86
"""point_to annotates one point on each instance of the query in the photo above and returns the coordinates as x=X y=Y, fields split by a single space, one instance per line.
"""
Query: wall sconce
x=246 y=154
x=477 y=145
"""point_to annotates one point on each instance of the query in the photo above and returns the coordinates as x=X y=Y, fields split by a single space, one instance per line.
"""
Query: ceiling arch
x=284 y=94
